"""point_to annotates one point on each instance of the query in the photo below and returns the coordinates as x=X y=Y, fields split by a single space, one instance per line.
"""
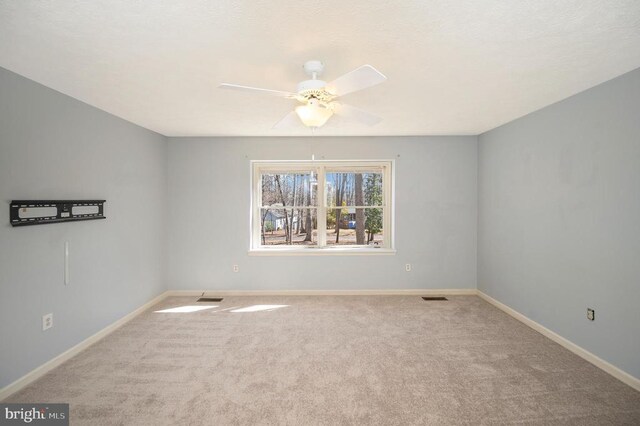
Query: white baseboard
x=386 y=292
x=40 y=371
x=619 y=374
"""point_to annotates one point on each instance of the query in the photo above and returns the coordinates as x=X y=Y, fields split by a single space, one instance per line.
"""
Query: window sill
x=316 y=251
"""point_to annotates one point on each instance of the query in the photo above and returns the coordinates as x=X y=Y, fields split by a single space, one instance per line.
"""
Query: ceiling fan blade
x=358 y=79
x=355 y=114
x=289 y=121
x=257 y=89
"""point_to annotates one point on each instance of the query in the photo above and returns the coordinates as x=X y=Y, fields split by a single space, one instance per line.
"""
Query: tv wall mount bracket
x=40 y=212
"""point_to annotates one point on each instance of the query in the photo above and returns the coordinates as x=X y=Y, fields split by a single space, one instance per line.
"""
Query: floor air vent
x=210 y=299
x=434 y=298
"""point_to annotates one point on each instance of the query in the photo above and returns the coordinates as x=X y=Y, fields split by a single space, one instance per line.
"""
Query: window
x=324 y=207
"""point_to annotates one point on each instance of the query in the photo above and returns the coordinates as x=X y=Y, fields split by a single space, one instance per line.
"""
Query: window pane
x=288 y=226
x=289 y=189
x=354 y=189
x=355 y=227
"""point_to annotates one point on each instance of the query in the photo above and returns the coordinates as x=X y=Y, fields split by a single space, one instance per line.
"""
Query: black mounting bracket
x=39 y=212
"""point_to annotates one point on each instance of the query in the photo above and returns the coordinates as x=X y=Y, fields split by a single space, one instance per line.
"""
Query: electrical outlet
x=236 y=268
x=47 y=321
x=407 y=267
x=591 y=314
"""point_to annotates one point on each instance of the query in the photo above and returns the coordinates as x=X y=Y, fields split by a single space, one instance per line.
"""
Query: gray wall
x=559 y=218
x=52 y=146
x=436 y=215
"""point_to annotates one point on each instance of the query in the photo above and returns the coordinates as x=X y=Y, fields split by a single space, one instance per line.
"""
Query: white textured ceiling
x=454 y=67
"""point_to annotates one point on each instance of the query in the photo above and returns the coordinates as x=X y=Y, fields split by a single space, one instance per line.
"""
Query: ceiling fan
x=319 y=99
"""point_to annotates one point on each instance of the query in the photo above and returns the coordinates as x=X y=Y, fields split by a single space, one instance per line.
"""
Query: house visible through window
x=322 y=205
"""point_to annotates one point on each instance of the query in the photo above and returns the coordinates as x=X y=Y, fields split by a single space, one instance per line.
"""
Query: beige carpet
x=332 y=360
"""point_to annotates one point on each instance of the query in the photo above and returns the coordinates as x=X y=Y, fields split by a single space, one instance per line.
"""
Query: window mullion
x=257 y=199
x=386 y=213
x=322 y=208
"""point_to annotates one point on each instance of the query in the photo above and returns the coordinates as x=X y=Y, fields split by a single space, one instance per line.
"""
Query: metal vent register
x=210 y=299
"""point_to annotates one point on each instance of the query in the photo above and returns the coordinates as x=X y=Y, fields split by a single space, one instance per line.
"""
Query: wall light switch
x=591 y=314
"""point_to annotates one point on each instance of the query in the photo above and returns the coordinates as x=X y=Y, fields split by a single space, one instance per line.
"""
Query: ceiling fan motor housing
x=314 y=89
x=306 y=85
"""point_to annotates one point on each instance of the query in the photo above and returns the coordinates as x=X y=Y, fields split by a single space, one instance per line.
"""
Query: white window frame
x=258 y=167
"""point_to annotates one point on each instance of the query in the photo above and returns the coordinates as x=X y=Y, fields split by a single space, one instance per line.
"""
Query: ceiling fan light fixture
x=313 y=115
x=319 y=99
